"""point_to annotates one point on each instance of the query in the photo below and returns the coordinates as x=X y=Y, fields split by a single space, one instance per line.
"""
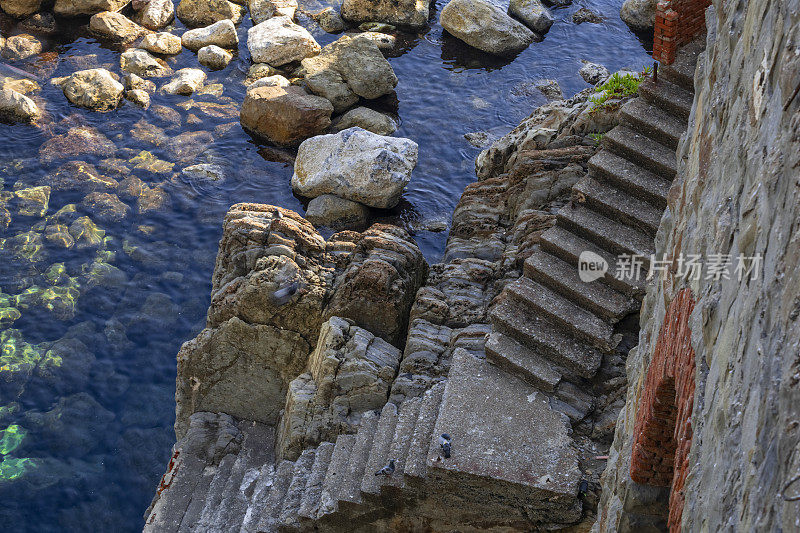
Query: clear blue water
x=96 y=427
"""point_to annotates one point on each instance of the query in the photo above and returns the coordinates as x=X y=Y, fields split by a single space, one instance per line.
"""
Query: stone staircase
x=551 y=328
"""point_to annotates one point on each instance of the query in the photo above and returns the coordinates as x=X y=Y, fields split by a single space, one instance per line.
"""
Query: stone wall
x=677 y=23
x=737 y=192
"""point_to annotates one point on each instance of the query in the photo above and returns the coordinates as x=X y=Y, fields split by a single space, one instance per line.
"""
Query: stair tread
x=611 y=235
x=215 y=490
x=550 y=270
x=336 y=474
x=681 y=71
x=519 y=359
x=534 y=331
x=294 y=493
x=378 y=456
x=263 y=486
x=404 y=430
x=653 y=121
x=619 y=204
x=642 y=150
x=309 y=505
x=560 y=311
x=226 y=515
x=274 y=500
x=351 y=486
x=196 y=505
x=415 y=466
x=606 y=165
x=668 y=95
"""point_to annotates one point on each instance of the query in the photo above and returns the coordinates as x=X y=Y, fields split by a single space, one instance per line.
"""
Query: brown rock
x=78 y=141
x=115 y=26
x=285 y=115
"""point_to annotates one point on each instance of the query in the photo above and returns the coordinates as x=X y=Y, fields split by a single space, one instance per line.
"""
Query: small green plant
x=597 y=138
x=616 y=88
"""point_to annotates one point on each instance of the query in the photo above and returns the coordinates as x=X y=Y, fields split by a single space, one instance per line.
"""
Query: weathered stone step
x=288 y=517
x=272 y=505
x=641 y=150
x=654 y=122
x=568 y=247
x=379 y=455
x=309 y=505
x=563 y=277
x=255 y=509
x=608 y=234
x=518 y=359
x=515 y=320
x=668 y=96
x=403 y=431
x=215 y=492
x=336 y=476
x=681 y=72
x=195 y=509
x=351 y=487
x=561 y=312
x=618 y=205
x=630 y=177
x=422 y=438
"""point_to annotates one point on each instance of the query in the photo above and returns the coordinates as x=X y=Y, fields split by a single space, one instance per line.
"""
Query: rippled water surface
x=88 y=367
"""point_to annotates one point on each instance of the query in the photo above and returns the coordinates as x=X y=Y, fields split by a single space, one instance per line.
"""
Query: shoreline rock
x=486 y=27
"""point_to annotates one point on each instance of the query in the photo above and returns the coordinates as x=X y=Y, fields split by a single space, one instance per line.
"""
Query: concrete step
x=272 y=505
x=556 y=309
x=606 y=166
x=379 y=454
x=668 y=96
x=618 y=205
x=568 y=247
x=518 y=359
x=563 y=278
x=681 y=72
x=403 y=432
x=215 y=491
x=309 y=505
x=422 y=438
x=608 y=234
x=514 y=319
x=288 y=517
x=336 y=475
x=261 y=490
x=351 y=486
x=641 y=150
x=656 y=123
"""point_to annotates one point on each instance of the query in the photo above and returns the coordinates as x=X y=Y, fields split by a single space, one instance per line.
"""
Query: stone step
x=556 y=309
x=195 y=508
x=568 y=247
x=290 y=507
x=515 y=320
x=351 y=486
x=641 y=150
x=261 y=490
x=379 y=454
x=609 y=234
x=403 y=432
x=668 y=96
x=652 y=121
x=628 y=176
x=336 y=475
x=681 y=71
x=272 y=505
x=230 y=511
x=619 y=205
x=422 y=438
x=309 y=505
x=215 y=491
x=563 y=278
x=518 y=359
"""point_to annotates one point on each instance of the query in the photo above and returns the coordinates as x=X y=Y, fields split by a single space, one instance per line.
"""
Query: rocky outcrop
x=357 y=165
x=485 y=26
x=278 y=41
x=349 y=374
x=409 y=14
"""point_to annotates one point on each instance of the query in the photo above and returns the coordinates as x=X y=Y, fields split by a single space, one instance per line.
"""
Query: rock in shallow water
x=21 y=47
x=17 y=106
x=410 y=14
x=278 y=41
x=20 y=8
x=196 y=13
x=141 y=63
x=162 y=43
x=185 y=82
x=94 y=88
x=329 y=20
x=485 y=27
x=356 y=165
x=214 y=57
x=261 y=10
x=222 y=34
x=78 y=8
x=639 y=15
x=368 y=119
x=155 y=14
x=285 y=115
x=337 y=213
x=593 y=73
x=586 y=15
x=533 y=14
x=115 y=26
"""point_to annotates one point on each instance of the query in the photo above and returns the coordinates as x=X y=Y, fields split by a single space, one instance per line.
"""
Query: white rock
x=162 y=43
x=593 y=73
x=139 y=97
x=156 y=14
x=222 y=34
x=639 y=14
x=357 y=165
x=533 y=14
x=115 y=26
x=269 y=81
x=17 y=106
x=261 y=10
x=278 y=41
x=94 y=88
x=485 y=26
x=185 y=82
x=214 y=57
x=141 y=63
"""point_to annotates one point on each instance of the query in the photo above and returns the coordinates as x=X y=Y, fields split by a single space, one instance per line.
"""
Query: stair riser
x=637 y=157
x=500 y=360
x=673 y=76
x=675 y=107
x=663 y=137
x=602 y=241
x=609 y=211
x=641 y=193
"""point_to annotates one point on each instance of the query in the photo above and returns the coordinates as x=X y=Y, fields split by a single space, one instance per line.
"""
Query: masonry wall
x=677 y=23
x=737 y=192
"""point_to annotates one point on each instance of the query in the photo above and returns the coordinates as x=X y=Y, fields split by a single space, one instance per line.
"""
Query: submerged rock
x=410 y=14
x=550 y=89
x=105 y=206
x=20 y=8
x=21 y=47
x=533 y=14
x=486 y=27
x=204 y=12
x=214 y=57
x=78 y=8
x=162 y=43
x=188 y=145
x=278 y=41
x=17 y=107
x=155 y=14
x=356 y=165
x=95 y=89
x=261 y=10
x=40 y=23
x=586 y=15
x=337 y=213
x=185 y=82
x=79 y=176
x=222 y=34
x=115 y=26
x=639 y=15
x=367 y=119
x=141 y=63
x=33 y=201
x=285 y=115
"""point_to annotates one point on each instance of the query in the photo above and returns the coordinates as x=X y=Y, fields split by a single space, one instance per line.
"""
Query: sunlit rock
x=261 y=10
x=155 y=14
x=214 y=57
x=185 y=82
x=409 y=14
x=533 y=14
x=86 y=233
x=366 y=118
x=16 y=106
x=222 y=34
x=145 y=160
x=163 y=43
x=78 y=8
x=278 y=41
x=195 y=13
x=19 y=47
x=33 y=201
x=95 y=89
x=486 y=27
x=141 y=63
x=285 y=115
x=20 y=8
x=115 y=26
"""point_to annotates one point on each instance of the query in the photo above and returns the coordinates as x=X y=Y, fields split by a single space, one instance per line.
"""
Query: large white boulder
x=357 y=165
x=486 y=27
x=222 y=34
x=278 y=41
